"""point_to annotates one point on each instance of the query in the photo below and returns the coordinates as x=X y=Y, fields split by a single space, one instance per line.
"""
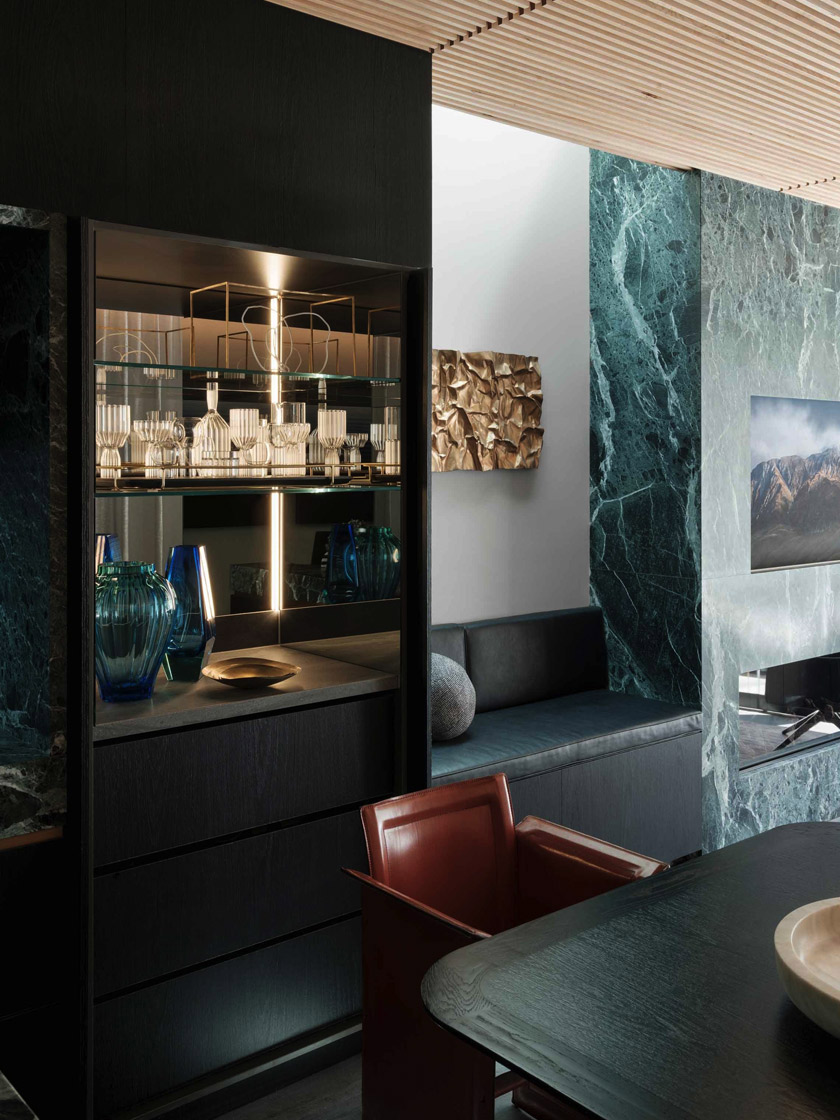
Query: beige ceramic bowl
x=808 y=959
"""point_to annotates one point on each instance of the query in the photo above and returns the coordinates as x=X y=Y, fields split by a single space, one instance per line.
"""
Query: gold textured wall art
x=486 y=411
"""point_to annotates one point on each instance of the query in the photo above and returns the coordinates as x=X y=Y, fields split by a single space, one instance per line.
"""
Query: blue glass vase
x=107 y=549
x=378 y=562
x=342 y=580
x=194 y=632
x=135 y=611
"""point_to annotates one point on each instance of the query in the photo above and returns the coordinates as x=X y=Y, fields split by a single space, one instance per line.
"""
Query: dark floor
x=335 y=1094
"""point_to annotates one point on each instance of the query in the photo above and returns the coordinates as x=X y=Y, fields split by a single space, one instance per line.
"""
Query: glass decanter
x=215 y=437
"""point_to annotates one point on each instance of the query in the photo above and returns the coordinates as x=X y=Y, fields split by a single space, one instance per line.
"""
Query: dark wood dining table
x=660 y=999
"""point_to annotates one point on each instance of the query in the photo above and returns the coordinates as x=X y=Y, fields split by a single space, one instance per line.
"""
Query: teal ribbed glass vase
x=135 y=612
x=378 y=558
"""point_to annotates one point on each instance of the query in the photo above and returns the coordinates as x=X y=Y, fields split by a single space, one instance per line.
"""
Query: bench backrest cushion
x=450 y=641
x=528 y=658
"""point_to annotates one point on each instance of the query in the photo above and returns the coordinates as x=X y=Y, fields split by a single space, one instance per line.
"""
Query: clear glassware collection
x=247 y=444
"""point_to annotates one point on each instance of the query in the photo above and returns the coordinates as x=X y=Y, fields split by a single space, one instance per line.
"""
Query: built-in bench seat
x=621 y=767
x=536 y=737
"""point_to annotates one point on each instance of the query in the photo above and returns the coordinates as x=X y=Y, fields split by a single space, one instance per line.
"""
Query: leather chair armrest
x=427 y=912
x=557 y=867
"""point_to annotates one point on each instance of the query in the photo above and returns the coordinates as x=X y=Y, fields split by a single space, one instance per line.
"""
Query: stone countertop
x=375 y=651
x=177 y=704
x=11 y=1106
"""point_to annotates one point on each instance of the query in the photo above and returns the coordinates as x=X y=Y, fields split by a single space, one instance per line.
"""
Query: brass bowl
x=249 y=672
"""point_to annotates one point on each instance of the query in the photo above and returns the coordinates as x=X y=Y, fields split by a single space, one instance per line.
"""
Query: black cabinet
x=648 y=799
x=175 y=913
x=223 y=925
x=175 y=789
x=153 y=1040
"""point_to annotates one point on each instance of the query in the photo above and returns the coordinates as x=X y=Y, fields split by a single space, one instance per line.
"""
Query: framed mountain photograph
x=795 y=482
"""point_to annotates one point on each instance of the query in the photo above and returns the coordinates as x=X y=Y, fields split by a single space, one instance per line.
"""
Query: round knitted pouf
x=453 y=698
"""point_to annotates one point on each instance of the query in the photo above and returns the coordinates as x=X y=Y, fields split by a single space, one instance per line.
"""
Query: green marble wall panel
x=33 y=452
x=771 y=327
x=645 y=423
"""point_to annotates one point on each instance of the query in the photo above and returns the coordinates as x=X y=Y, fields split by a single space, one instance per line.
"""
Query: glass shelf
x=188 y=488
x=225 y=375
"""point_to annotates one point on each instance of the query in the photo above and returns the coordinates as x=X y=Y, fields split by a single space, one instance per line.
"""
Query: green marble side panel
x=771 y=327
x=24 y=493
x=645 y=423
x=33 y=516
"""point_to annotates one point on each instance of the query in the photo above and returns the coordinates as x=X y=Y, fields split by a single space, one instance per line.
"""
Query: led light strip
x=275 y=523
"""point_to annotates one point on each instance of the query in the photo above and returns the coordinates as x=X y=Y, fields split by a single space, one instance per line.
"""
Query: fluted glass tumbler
x=332 y=431
x=113 y=427
x=135 y=613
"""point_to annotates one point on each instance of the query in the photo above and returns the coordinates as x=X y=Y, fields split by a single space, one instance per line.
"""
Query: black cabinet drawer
x=165 y=916
x=160 y=1037
x=538 y=796
x=175 y=789
x=648 y=799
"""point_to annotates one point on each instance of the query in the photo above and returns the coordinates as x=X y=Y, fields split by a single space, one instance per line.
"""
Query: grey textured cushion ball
x=453 y=698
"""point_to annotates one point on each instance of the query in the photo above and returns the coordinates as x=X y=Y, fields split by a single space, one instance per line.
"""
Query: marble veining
x=645 y=424
x=32 y=519
x=770 y=327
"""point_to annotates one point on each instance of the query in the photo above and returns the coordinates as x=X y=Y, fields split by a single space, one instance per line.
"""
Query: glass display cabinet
x=249 y=405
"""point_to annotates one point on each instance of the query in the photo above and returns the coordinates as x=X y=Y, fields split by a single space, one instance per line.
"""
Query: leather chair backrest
x=536 y=657
x=452 y=847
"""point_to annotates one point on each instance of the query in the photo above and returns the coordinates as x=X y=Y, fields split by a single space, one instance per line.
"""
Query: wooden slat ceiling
x=745 y=88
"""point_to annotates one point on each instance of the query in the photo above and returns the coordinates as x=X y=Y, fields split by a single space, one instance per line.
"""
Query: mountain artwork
x=794 y=482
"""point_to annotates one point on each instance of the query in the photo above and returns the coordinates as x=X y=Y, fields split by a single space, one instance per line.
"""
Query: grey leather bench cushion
x=532 y=738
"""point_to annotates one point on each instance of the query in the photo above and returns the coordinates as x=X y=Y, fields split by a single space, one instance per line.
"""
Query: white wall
x=511 y=273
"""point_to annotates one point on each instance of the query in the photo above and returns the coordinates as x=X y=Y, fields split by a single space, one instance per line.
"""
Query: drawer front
x=163 y=1036
x=174 y=913
x=648 y=800
x=171 y=790
x=538 y=796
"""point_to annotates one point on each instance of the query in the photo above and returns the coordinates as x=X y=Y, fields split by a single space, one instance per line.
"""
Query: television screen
x=795 y=482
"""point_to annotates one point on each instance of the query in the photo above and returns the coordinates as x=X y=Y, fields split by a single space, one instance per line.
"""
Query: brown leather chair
x=447 y=868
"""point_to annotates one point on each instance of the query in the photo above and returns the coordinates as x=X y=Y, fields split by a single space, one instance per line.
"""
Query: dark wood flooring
x=334 y=1094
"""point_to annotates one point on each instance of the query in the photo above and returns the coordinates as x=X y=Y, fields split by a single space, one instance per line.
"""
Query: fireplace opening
x=789 y=708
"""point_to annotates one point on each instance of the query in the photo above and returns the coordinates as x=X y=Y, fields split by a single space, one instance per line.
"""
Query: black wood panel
x=415 y=599
x=648 y=799
x=163 y=1036
x=227 y=118
x=170 y=790
x=174 y=913
x=62 y=81
x=538 y=796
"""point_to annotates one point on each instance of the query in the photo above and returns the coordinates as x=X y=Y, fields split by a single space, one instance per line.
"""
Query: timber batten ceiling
x=744 y=88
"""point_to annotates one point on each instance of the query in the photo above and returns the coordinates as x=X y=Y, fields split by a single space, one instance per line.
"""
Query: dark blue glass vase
x=107 y=549
x=194 y=632
x=135 y=610
x=342 y=581
x=378 y=561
